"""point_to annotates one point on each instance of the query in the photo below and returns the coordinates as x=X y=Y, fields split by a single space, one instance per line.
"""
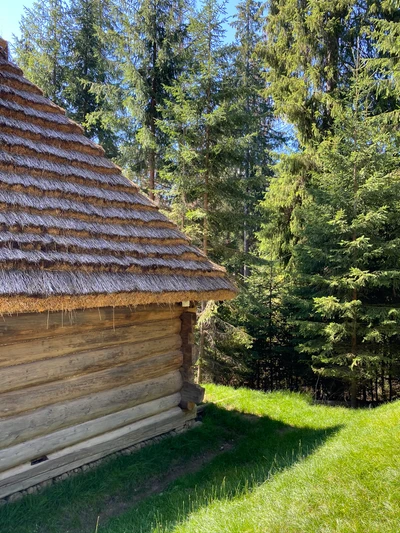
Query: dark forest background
x=278 y=154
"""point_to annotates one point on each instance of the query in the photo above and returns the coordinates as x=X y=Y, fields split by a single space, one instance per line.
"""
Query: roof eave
x=27 y=304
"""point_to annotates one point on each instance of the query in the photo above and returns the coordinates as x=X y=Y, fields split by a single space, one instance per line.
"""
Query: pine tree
x=200 y=125
x=204 y=149
x=309 y=58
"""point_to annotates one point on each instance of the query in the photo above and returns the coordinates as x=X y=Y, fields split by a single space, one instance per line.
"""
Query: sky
x=11 y=11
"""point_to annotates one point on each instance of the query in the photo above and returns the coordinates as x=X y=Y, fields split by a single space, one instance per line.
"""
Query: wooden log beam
x=20 y=401
x=43 y=446
x=24 y=476
x=188 y=320
x=44 y=371
x=47 y=348
x=16 y=328
x=192 y=392
x=51 y=418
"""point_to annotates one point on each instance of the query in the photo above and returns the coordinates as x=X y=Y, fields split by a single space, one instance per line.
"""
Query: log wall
x=75 y=387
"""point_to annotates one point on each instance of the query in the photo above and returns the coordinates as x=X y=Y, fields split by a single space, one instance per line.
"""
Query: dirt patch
x=286 y=430
x=250 y=417
x=118 y=504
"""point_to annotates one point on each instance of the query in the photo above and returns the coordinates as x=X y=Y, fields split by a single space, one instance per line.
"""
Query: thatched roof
x=74 y=232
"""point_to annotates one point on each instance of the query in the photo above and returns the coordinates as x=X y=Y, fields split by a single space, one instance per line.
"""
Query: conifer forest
x=276 y=151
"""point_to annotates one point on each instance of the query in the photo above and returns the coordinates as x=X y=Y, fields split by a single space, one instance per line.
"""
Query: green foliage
x=332 y=214
x=310 y=55
x=198 y=120
x=89 y=67
x=344 y=253
x=220 y=131
x=61 y=50
x=41 y=50
x=149 y=38
x=257 y=348
x=255 y=120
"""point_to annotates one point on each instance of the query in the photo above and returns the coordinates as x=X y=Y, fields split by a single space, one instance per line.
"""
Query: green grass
x=259 y=463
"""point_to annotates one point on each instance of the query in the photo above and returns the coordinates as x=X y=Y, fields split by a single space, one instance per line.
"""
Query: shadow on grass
x=159 y=486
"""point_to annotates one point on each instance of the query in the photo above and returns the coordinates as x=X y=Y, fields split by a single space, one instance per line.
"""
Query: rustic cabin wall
x=78 y=386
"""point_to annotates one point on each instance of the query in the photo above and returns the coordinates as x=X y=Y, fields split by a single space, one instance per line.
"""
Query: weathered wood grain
x=14 y=402
x=24 y=476
x=51 y=418
x=28 y=451
x=47 y=348
x=192 y=394
x=16 y=328
x=188 y=320
x=29 y=374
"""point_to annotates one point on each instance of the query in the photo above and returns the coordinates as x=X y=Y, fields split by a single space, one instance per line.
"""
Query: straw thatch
x=44 y=203
x=74 y=232
x=18 y=144
x=40 y=241
x=11 y=74
x=12 y=160
x=16 y=95
x=33 y=131
x=26 y=112
x=71 y=189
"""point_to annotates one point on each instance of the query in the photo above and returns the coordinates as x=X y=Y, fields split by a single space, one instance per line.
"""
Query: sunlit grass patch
x=259 y=463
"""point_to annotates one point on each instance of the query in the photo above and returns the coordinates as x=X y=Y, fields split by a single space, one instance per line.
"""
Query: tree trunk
x=153 y=111
x=201 y=348
x=383 y=391
x=354 y=392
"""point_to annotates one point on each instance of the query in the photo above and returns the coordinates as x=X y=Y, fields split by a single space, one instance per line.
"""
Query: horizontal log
x=24 y=476
x=28 y=451
x=47 y=348
x=39 y=325
x=29 y=374
x=14 y=402
x=21 y=428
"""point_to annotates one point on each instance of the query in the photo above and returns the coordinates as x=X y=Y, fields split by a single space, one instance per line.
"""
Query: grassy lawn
x=259 y=463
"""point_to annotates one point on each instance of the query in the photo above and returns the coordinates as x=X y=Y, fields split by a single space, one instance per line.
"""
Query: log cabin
x=97 y=298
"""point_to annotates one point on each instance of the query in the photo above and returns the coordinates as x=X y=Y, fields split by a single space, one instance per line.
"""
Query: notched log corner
x=191 y=394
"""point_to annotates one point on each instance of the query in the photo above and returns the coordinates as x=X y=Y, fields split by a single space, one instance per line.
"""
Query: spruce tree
x=309 y=58
x=346 y=260
x=90 y=71
x=199 y=121
x=255 y=122
x=63 y=50
x=204 y=148
x=331 y=213
x=149 y=37
x=41 y=50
